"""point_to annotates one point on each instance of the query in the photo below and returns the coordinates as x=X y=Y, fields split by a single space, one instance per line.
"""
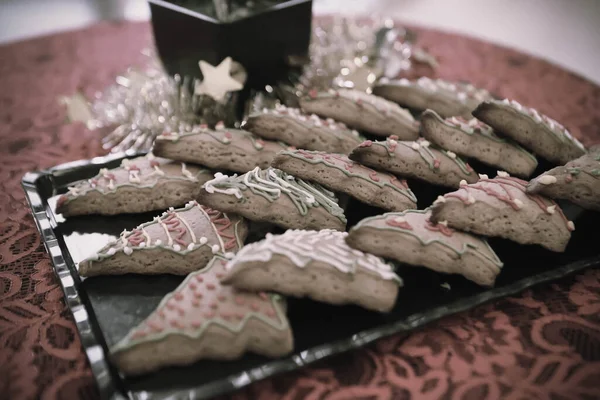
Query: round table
x=542 y=344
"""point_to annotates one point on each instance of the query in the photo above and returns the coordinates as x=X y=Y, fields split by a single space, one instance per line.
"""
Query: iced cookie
x=446 y=98
x=362 y=111
x=315 y=264
x=271 y=195
x=501 y=207
x=410 y=237
x=178 y=242
x=418 y=159
x=578 y=181
x=303 y=131
x=472 y=138
x=342 y=175
x=536 y=132
x=229 y=149
x=203 y=319
x=139 y=185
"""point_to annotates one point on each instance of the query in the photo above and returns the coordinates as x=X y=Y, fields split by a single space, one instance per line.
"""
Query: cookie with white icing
x=271 y=195
x=501 y=207
x=362 y=111
x=177 y=242
x=303 y=131
x=315 y=264
x=411 y=238
x=415 y=159
x=139 y=185
x=472 y=138
x=342 y=175
x=446 y=98
x=223 y=148
x=577 y=181
x=203 y=319
x=536 y=132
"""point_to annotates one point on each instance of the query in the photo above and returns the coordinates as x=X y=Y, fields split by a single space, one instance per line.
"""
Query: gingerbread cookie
x=178 y=242
x=578 y=181
x=271 y=195
x=472 y=138
x=229 y=149
x=536 y=132
x=315 y=264
x=501 y=207
x=139 y=185
x=446 y=98
x=203 y=319
x=303 y=131
x=410 y=237
x=418 y=159
x=340 y=174
x=362 y=111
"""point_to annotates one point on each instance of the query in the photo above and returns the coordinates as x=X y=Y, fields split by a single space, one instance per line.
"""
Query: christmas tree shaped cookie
x=502 y=207
x=316 y=264
x=271 y=195
x=362 y=111
x=577 y=181
x=303 y=131
x=418 y=159
x=203 y=319
x=446 y=98
x=139 y=185
x=178 y=242
x=410 y=237
x=472 y=138
x=536 y=132
x=223 y=148
x=340 y=174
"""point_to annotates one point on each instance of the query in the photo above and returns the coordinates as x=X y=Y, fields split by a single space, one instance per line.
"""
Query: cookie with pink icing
x=315 y=264
x=411 y=238
x=577 y=181
x=445 y=97
x=177 y=242
x=415 y=159
x=203 y=319
x=342 y=175
x=536 y=132
x=362 y=111
x=303 y=131
x=473 y=139
x=139 y=185
x=223 y=148
x=502 y=207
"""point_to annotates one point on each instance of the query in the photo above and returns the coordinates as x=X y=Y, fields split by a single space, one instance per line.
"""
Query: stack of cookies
x=289 y=169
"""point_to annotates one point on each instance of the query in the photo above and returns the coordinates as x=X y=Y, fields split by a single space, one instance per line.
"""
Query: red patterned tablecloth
x=542 y=344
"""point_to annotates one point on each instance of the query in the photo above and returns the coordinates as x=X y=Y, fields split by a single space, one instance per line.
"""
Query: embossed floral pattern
x=542 y=344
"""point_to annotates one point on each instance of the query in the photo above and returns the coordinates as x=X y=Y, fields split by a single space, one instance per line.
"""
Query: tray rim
x=70 y=282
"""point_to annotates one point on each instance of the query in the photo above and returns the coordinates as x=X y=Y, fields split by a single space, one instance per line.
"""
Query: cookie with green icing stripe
x=577 y=181
x=362 y=111
x=446 y=98
x=542 y=135
x=315 y=264
x=138 y=185
x=411 y=238
x=177 y=242
x=472 y=138
x=415 y=159
x=203 y=319
x=303 y=131
x=226 y=149
x=271 y=195
x=340 y=174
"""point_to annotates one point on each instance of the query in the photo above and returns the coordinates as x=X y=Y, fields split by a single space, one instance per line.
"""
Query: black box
x=186 y=32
